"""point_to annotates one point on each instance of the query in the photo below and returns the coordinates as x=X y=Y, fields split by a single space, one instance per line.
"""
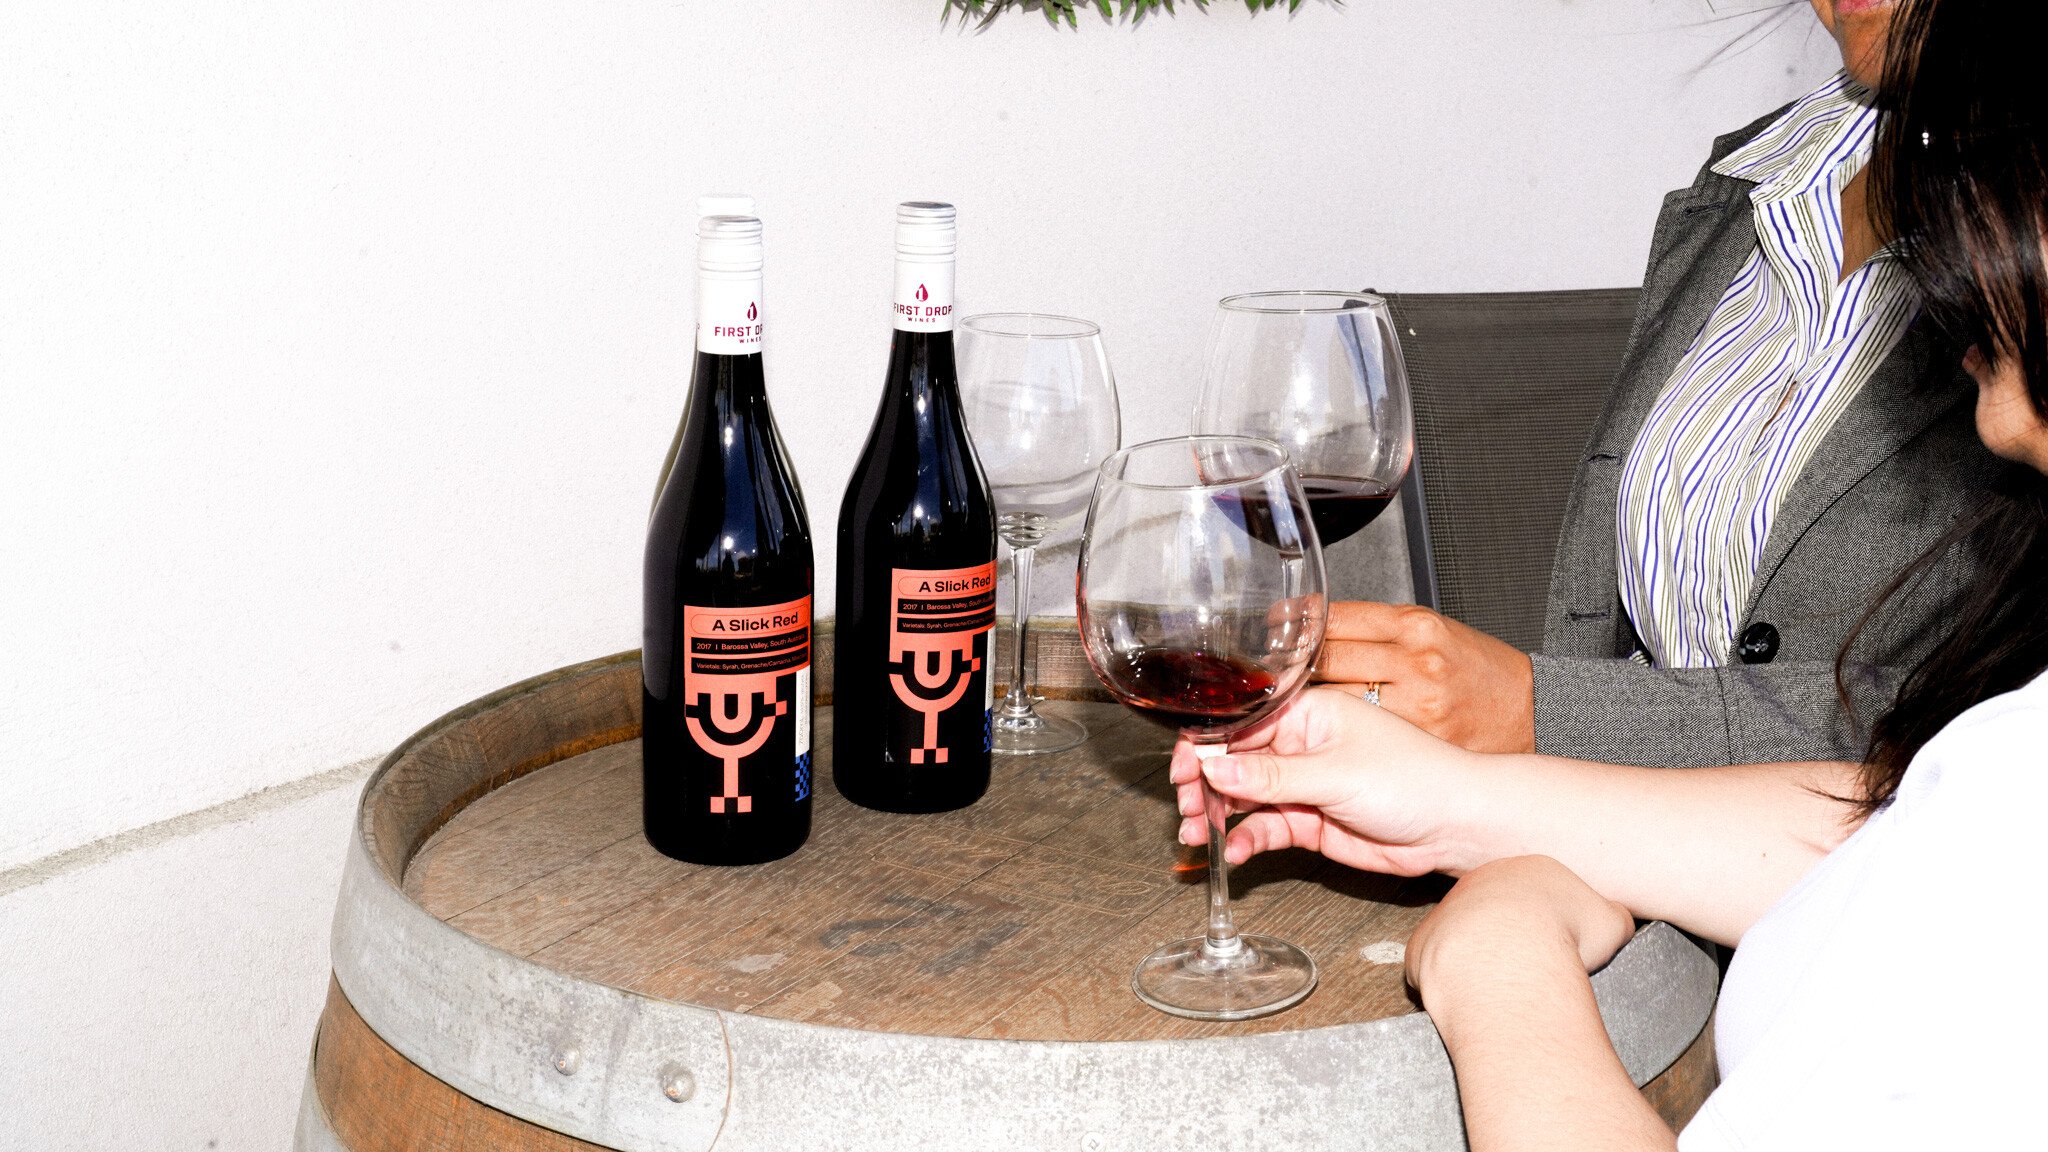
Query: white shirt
x=1897 y=996
x=1788 y=348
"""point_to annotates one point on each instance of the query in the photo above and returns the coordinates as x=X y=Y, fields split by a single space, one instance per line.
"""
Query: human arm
x=1461 y=685
x=1501 y=965
x=1707 y=849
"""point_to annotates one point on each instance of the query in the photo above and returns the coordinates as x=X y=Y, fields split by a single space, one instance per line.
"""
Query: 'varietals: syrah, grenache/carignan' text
x=913 y=674
x=726 y=657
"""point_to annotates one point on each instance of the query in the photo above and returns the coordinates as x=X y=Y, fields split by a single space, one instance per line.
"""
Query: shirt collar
x=1825 y=137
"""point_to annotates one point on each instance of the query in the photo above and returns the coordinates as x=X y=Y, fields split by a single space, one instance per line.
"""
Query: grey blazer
x=1901 y=466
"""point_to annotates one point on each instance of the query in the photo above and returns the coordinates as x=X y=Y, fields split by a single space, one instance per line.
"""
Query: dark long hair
x=1960 y=177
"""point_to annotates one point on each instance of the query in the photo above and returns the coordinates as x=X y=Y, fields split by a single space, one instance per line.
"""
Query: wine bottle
x=726 y=657
x=912 y=678
x=716 y=204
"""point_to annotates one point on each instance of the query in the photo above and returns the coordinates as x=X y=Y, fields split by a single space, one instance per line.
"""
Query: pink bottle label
x=939 y=620
x=731 y=701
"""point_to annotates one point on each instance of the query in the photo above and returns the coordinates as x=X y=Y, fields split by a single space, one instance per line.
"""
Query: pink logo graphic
x=922 y=295
x=732 y=724
x=935 y=618
x=930 y=674
x=750 y=311
x=730 y=702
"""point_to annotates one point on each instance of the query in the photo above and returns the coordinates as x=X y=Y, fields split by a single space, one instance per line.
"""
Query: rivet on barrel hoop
x=676 y=1083
x=567 y=1060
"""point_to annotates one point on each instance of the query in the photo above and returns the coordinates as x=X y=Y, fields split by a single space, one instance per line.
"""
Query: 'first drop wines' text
x=726 y=658
x=913 y=672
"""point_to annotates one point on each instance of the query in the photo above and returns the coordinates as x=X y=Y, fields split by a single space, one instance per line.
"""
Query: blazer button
x=1758 y=644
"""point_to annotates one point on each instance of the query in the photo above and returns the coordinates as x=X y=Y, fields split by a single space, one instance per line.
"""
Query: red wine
x=725 y=751
x=911 y=678
x=1341 y=507
x=1279 y=522
x=1183 y=689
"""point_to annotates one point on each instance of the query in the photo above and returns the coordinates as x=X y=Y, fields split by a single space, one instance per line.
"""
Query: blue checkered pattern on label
x=988 y=731
x=803 y=776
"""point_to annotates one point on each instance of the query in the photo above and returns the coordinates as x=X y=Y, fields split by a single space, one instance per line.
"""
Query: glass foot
x=1263 y=976
x=1034 y=733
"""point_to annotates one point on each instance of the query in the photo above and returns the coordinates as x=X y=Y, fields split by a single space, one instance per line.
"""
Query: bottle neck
x=924 y=294
x=728 y=379
x=729 y=313
x=728 y=403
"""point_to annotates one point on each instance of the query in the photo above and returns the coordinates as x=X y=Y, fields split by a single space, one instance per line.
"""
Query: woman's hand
x=1506 y=917
x=1708 y=849
x=1338 y=776
x=1451 y=680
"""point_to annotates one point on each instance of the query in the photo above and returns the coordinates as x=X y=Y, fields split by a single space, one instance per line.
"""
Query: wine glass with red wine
x=1202 y=606
x=1320 y=374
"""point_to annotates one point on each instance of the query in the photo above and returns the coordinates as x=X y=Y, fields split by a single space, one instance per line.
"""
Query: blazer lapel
x=1704 y=236
x=1896 y=405
x=1710 y=233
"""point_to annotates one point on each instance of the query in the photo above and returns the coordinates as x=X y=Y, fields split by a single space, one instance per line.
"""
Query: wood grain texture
x=378 y=1101
x=1020 y=917
x=489 y=743
x=516 y=819
x=1059 y=668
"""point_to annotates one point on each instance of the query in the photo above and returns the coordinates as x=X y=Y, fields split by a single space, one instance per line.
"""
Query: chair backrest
x=1506 y=388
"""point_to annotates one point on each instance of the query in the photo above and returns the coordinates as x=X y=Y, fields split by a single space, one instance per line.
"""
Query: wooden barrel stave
x=497 y=1027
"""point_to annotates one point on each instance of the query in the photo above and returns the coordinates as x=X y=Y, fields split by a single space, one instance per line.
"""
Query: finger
x=1261 y=735
x=1362 y=661
x=1264 y=778
x=1188 y=802
x=1358 y=692
x=1366 y=620
x=1302 y=725
x=1186 y=767
x=1194 y=830
x=1271 y=829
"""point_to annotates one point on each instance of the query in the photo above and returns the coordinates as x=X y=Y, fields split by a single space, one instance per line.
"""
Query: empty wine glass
x=1320 y=374
x=1202 y=606
x=1042 y=409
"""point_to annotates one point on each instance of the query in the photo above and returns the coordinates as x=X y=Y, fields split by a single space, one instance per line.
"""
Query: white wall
x=339 y=344
x=167 y=998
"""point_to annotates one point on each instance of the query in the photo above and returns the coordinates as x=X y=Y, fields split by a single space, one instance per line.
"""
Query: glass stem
x=1221 y=941
x=1017 y=701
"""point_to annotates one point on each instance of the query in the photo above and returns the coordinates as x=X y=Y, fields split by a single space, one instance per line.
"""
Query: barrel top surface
x=1020 y=917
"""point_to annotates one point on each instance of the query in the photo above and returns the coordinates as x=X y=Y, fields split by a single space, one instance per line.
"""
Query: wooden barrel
x=514 y=968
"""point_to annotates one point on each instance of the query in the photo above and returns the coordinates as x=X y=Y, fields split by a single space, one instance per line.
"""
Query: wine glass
x=1042 y=409
x=1320 y=374
x=1202 y=606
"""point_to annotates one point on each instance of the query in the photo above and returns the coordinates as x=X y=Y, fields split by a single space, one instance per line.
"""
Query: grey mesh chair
x=1506 y=388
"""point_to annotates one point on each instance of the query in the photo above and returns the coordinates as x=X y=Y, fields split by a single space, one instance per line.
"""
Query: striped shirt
x=1785 y=353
